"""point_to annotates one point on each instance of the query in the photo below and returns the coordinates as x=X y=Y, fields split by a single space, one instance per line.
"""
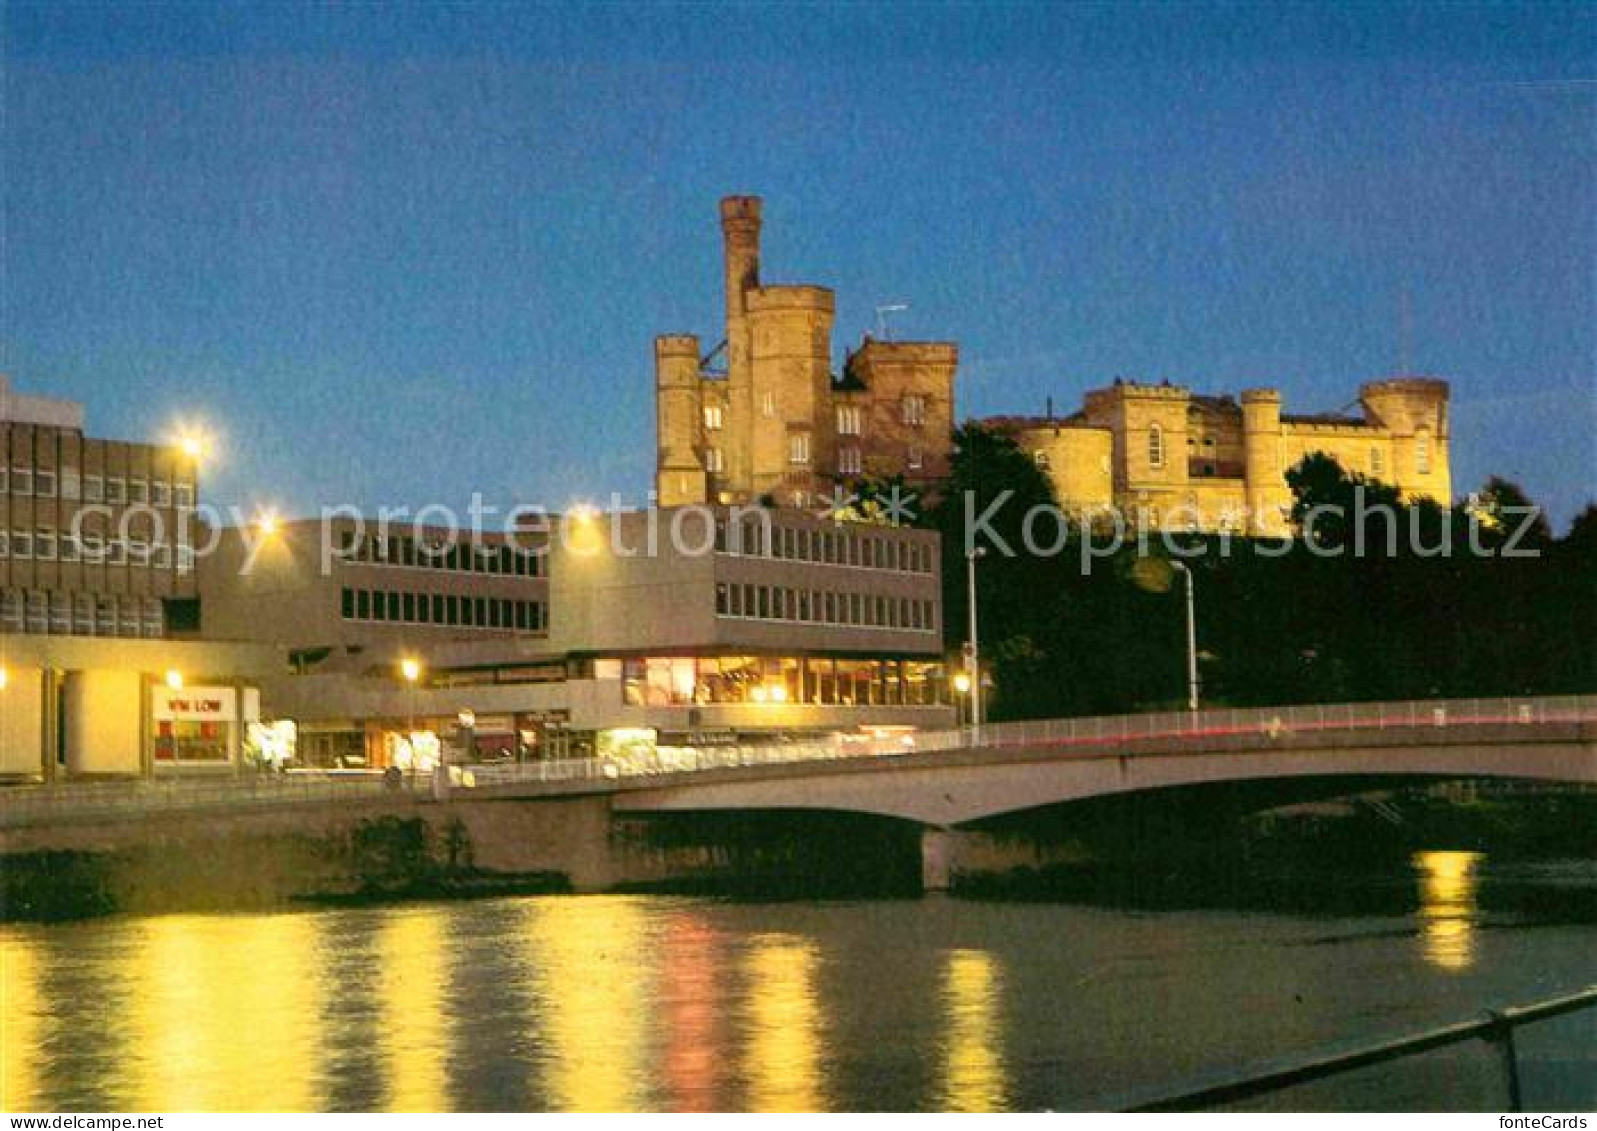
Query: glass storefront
x=668 y=681
x=199 y=725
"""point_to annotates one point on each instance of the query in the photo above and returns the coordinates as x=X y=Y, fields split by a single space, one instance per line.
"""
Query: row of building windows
x=850 y=460
x=446 y=609
x=116 y=490
x=686 y=680
x=45 y=545
x=54 y=613
x=753 y=538
x=503 y=559
x=850 y=417
x=1377 y=458
x=823 y=606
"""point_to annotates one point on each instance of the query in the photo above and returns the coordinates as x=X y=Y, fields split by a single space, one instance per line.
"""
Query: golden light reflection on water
x=222 y=1014
x=784 y=1025
x=1448 y=883
x=974 y=1077
x=590 y=962
x=20 y=1011
x=411 y=1030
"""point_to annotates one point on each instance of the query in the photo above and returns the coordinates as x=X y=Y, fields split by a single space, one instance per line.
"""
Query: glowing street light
x=410 y=669
x=174 y=679
x=5 y=678
x=266 y=522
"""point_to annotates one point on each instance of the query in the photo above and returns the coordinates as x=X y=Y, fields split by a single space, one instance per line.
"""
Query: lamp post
x=972 y=644
x=1192 y=639
x=410 y=669
x=961 y=689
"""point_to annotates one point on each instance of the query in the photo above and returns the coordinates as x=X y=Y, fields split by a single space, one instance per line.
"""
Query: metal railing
x=1496 y=1029
x=1081 y=737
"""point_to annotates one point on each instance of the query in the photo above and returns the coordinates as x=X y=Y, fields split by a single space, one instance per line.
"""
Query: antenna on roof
x=881 y=319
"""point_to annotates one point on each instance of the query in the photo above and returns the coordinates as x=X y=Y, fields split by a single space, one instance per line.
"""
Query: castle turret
x=1263 y=475
x=791 y=380
x=740 y=243
x=679 y=478
x=1413 y=410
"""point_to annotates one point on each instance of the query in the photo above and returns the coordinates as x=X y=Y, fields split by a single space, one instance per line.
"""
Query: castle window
x=768 y=404
x=1155 y=446
x=1377 y=464
x=1041 y=459
x=798 y=448
x=915 y=459
x=1422 y=452
x=712 y=417
x=848 y=461
x=914 y=409
x=848 y=420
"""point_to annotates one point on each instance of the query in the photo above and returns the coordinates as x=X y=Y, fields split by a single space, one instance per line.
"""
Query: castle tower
x=790 y=329
x=1264 y=479
x=740 y=242
x=1413 y=410
x=679 y=477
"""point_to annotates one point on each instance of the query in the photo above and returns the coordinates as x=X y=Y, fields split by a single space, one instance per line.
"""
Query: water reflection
x=20 y=1032
x=783 y=1042
x=590 y=962
x=220 y=1014
x=973 y=1069
x=411 y=1030
x=691 y=1006
x=1448 y=882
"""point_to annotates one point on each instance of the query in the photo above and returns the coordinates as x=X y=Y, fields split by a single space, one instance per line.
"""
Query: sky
x=397 y=254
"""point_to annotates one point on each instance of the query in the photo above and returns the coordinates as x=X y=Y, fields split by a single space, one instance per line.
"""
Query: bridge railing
x=34 y=805
x=1287 y=720
x=23 y=806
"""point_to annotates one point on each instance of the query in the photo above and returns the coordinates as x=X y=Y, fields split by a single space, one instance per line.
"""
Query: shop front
x=201 y=726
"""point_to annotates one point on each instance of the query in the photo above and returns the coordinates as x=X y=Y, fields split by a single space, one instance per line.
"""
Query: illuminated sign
x=194 y=704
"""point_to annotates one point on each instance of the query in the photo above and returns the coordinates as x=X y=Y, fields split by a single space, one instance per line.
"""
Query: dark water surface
x=665 y=1003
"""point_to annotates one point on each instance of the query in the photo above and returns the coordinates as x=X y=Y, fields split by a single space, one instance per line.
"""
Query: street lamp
x=174 y=679
x=1192 y=638
x=972 y=643
x=962 y=689
x=410 y=668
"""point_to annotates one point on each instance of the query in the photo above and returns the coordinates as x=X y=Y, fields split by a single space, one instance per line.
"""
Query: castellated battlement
x=740 y=208
x=921 y=353
x=676 y=345
x=764 y=300
x=1162 y=391
x=1261 y=396
x=1420 y=387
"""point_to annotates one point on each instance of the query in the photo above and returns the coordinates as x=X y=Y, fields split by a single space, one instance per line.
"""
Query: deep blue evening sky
x=400 y=252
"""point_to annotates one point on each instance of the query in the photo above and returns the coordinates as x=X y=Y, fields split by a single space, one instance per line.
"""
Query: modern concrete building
x=96 y=542
x=1184 y=461
x=647 y=629
x=763 y=416
x=96 y=535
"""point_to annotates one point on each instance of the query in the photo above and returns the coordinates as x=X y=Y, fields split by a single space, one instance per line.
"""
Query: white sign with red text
x=195 y=704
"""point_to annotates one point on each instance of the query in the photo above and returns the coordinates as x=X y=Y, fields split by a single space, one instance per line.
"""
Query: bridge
x=943 y=779
x=560 y=817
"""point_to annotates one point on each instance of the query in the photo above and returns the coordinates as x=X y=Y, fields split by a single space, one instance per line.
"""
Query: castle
x=776 y=424
x=1180 y=460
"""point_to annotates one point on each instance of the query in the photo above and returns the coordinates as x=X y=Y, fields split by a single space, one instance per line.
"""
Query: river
x=687 y=1004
